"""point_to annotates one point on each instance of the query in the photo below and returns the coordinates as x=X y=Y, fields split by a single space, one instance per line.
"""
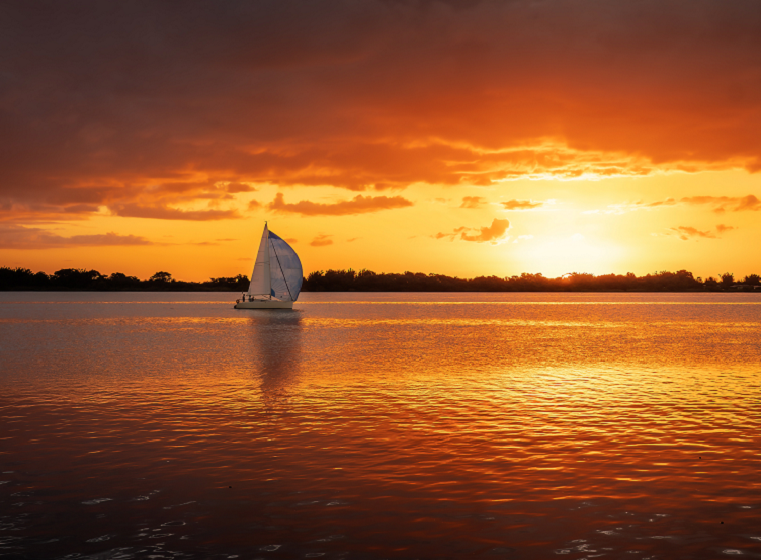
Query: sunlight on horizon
x=556 y=256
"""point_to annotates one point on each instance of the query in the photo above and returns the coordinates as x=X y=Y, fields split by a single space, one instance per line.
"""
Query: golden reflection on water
x=277 y=354
x=375 y=430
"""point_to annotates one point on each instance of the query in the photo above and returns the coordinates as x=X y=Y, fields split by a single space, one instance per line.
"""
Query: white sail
x=287 y=273
x=261 y=282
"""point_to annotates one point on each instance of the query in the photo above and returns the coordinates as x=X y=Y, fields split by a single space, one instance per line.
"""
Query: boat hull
x=264 y=304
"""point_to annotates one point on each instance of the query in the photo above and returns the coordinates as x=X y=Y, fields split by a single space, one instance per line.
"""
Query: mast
x=261 y=283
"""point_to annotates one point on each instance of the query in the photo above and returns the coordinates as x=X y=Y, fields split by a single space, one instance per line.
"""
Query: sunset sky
x=463 y=138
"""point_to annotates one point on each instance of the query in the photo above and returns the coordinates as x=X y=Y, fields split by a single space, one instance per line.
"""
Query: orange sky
x=461 y=138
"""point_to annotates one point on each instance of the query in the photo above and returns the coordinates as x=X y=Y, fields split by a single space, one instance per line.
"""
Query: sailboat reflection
x=276 y=352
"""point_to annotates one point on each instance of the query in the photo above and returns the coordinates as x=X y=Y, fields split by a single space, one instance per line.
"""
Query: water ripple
x=403 y=427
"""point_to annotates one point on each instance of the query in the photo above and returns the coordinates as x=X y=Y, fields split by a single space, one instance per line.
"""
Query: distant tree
x=727 y=279
x=242 y=281
x=161 y=277
x=76 y=278
x=239 y=282
x=40 y=279
x=580 y=280
x=21 y=278
x=120 y=281
x=679 y=280
x=121 y=277
x=222 y=280
x=752 y=280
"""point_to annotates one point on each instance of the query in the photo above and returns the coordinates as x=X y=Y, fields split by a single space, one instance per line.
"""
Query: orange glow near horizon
x=602 y=226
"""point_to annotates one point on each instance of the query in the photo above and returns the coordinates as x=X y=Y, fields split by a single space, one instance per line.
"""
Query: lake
x=169 y=425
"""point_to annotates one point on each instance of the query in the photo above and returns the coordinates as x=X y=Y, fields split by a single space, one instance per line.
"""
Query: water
x=380 y=426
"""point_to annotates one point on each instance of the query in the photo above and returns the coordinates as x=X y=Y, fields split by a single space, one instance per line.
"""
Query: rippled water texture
x=380 y=426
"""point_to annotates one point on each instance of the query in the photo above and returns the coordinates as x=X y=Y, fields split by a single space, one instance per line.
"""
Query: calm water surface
x=380 y=426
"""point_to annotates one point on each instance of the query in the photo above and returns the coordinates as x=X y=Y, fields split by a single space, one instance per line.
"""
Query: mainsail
x=277 y=271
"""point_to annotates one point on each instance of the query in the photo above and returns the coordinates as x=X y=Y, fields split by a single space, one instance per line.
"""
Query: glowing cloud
x=521 y=204
x=472 y=202
x=321 y=240
x=493 y=233
x=685 y=233
x=166 y=213
x=719 y=204
x=19 y=237
x=358 y=205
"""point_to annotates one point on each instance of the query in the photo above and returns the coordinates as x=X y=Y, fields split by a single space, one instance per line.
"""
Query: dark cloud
x=100 y=102
x=321 y=241
x=521 y=204
x=493 y=233
x=19 y=237
x=358 y=205
x=239 y=187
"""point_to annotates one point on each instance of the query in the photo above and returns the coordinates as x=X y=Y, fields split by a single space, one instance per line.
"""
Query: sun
x=555 y=255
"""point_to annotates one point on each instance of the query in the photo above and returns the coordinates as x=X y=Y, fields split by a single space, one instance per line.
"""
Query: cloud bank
x=154 y=106
x=358 y=205
x=13 y=236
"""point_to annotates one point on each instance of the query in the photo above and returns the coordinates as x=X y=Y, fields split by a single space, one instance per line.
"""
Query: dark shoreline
x=83 y=280
x=221 y=291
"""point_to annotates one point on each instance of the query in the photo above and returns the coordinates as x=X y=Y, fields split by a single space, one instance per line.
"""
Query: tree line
x=80 y=279
x=665 y=281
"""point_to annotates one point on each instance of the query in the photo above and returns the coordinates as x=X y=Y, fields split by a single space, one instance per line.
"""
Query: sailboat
x=277 y=276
